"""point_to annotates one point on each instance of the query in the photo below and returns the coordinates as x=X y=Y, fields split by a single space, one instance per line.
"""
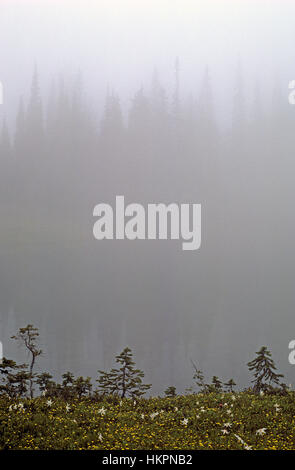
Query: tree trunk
x=31 y=377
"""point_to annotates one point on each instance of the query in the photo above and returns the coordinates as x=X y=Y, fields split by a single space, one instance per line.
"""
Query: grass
x=213 y=421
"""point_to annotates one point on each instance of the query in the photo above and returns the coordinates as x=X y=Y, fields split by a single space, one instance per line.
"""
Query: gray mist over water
x=179 y=101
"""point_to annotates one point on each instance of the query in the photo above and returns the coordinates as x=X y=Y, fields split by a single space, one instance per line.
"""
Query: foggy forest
x=162 y=103
x=90 y=299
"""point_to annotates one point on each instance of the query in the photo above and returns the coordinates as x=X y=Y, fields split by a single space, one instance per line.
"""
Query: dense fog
x=169 y=101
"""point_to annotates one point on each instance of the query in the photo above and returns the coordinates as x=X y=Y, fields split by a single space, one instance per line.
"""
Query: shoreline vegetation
x=117 y=416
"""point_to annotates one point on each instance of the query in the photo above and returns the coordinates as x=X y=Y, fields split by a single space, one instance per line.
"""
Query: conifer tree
x=46 y=384
x=230 y=385
x=264 y=369
x=200 y=379
x=67 y=386
x=14 y=378
x=108 y=382
x=28 y=337
x=216 y=383
x=170 y=392
x=125 y=381
x=82 y=386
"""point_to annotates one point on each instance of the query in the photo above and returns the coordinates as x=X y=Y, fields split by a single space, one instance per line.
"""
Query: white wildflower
x=100 y=437
x=261 y=431
x=184 y=421
x=68 y=407
x=224 y=431
x=227 y=425
x=49 y=402
x=245 y=445
x=102 y=411
x=153 y=415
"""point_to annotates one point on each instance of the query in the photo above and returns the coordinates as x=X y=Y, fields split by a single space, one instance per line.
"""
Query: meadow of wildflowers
x=199 y=421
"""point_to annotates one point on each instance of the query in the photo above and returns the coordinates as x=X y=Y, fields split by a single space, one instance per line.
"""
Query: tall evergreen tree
x=263 y=368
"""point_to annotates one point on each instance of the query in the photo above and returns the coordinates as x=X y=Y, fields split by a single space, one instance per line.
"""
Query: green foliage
x=14 y=379
x=69 y=389
x=264 y=369
x=199 y=379
x=170 y=392
x=229 y=386
x=46 y=385
x=71 y=416
x=82 y=386
x=28 y=337
x=216 y=383
x=215 y=386
x=124 y=381
x=108 y=382
x=209 y=421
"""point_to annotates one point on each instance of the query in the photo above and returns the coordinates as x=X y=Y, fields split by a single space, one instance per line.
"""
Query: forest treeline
x=125 y=380
x=59 y=142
